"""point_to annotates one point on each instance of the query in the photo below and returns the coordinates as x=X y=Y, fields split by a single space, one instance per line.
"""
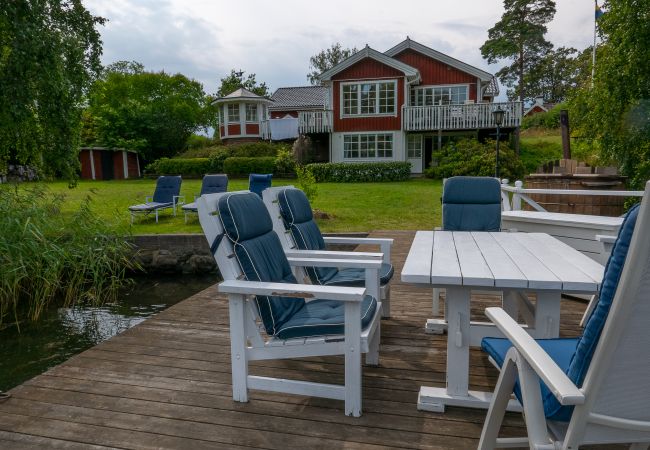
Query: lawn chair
x=594 y=389
x=468 y=204
x=294 y=222
x=165 y=196
x=211 y=184
x=258 y=182
x=299 y=320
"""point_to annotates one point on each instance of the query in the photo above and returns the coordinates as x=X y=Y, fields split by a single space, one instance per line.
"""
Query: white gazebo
x=243 y=116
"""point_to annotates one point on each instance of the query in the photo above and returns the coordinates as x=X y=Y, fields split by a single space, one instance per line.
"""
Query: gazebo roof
x=242 y=94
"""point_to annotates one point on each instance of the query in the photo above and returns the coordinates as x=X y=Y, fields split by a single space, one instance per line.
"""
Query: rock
x=164 y=261
x=201 y=264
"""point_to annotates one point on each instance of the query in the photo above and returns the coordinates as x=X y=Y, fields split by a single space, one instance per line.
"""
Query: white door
x=414 y=152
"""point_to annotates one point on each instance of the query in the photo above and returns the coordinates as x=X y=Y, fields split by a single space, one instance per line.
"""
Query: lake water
x=63 y=332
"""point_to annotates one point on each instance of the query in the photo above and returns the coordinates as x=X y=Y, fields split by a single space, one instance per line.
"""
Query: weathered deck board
x=166 y=384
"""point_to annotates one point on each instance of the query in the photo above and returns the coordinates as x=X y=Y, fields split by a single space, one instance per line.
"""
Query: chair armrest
x=560 y=385
x=384 y=244
x=605 y=239
x=341 y=263
x=178 y=199
x=332 y=254
x=341 y=293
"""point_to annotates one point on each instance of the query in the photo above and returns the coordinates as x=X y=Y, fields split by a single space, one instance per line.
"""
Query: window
x=414 y=146
x=369 y=98
x=251 y=112
x=367 y=146
x=439 y=95
x=233 y=113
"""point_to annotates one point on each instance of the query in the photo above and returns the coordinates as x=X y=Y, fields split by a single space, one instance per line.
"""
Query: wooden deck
x=166 y=384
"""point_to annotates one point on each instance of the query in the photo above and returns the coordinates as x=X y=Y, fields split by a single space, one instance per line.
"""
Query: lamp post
x=498 y=114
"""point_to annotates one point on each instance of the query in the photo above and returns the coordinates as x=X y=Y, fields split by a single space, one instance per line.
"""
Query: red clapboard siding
x=252 y=128
x=97 y=157
x=132 y=163
x=433 y=71
x=233 y=129
x=118 y=165
x=367 y=68
x=84 y=159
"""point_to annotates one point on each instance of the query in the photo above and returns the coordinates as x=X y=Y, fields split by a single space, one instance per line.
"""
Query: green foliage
x=218 y=158
x=307 y=182
x=197 y=141
x=253 y=149
x=196 y=167
x=236 y=80
x=614 y=113
x=533 y=152
x=554 y=75
x=326 y=59
x=473 y=158
x=549 y=120
x=244 y=165
x=519 y=38
x=49 y=55
x=154 y=113
x=47 y=256
x=285 y=162
x=360 y=172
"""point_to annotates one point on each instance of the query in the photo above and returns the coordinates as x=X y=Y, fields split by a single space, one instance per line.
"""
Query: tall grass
x=47 y=256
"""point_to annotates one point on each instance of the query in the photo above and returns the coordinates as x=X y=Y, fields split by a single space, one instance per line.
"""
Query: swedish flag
x=599 y=12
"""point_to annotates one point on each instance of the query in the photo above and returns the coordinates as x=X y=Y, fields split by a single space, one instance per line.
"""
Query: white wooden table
x=512 y=263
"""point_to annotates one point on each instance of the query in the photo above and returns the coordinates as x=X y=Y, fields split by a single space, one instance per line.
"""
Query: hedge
x=360 y=172
x=240 y=166
x=181 y=166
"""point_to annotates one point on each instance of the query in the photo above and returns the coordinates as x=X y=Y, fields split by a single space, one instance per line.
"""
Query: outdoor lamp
x=498 y=114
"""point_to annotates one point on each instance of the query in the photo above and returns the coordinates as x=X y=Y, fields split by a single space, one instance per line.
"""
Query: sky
x=205 y=39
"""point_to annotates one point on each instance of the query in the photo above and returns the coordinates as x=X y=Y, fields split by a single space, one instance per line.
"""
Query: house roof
x=367 y=52
x=299 y=97
x=492 y=88
x=241 y=94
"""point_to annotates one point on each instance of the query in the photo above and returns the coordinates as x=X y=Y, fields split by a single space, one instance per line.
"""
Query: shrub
x=197 y=141
x=360 y=172
x=307 y=182
x=241 y=166
x=48 y=256
x=180 y=166
x=548 y=120
x=285 y=163
x=256 y=149
x=473 y=158
x=217 y=159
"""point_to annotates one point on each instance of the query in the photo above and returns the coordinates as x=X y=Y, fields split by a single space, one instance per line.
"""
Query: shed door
x=414 y=152
x=107 y=166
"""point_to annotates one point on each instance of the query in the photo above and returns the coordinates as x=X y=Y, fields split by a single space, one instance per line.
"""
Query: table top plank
x=473 y=267
x=505 y=271
x=537 y=274
x=573 y=279
x=445 y=267
x=417 y=267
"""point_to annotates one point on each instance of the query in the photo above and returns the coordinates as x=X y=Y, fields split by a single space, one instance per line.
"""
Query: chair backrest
x=214 y=184
x=257 y=182
x=166 y=188
x=245 y=225
x=298 y=218
x=471 y=204
x=617 y=382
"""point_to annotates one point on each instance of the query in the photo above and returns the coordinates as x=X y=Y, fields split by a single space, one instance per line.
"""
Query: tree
x=49 y=55
x=519 y=37
x=554 y=75
x=327 y=59
x=154 y=113
x=613 y=113
x=236 y=80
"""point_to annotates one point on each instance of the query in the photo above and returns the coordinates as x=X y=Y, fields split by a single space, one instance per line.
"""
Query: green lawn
x=408 y=205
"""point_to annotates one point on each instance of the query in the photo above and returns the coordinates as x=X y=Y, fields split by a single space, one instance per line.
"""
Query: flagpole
x=593 y=55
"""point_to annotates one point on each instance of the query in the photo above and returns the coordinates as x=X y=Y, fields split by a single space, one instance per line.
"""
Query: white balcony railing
x=314 y=122
x=460 y=117
x=265 y=130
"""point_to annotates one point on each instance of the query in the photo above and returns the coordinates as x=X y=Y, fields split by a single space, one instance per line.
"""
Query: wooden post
x=566 y=139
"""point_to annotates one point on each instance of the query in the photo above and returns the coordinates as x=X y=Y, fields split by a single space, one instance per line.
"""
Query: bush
x=256 y=149
x=242 y=166
x=285 y=164
x=307 y=182
x=197 y=141
x=547 y=120
x=473 y=158
x=180 y=166
x=217 y=159
x=360 y=172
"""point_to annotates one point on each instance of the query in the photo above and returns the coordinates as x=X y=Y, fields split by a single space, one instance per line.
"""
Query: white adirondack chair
x=248 y=343
x=612 y=404
x=291 y=247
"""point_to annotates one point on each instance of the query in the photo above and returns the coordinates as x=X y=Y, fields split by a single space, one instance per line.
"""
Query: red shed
x=101 y=163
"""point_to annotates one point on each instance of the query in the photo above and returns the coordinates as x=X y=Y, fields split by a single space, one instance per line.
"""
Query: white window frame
x=236 y=105
x=252 y=106
x=369 y=146
x=413 y=139
x=377 y=98
x=432 y=87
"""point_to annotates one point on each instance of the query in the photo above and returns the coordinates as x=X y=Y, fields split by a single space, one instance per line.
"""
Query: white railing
x=265 y=130
x=460 y=117
x=513 y=197
x=314 y=121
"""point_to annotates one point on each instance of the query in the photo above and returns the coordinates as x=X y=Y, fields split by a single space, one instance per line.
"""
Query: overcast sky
x=204 y=39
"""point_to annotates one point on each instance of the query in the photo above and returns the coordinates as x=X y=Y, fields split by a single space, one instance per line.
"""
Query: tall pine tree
x=519 y=37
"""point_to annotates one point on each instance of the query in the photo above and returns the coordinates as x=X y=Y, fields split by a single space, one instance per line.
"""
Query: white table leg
x=547 y=315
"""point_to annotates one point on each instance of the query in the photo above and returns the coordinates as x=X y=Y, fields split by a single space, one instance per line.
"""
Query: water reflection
x=64 y=332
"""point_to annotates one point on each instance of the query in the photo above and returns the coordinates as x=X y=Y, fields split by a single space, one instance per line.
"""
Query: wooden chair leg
x=385 y=302
x=352 y=359
x=238 y=360
x=372 y=357
x=498 y=405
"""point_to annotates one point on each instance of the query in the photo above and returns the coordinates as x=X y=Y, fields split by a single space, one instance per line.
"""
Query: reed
x=47 y=256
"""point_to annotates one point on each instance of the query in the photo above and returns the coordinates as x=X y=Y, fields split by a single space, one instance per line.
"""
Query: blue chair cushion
x=471 y=204
x=560 y=351
x=258 y=182
x=150 y=206
x=248 y=226
x=214 y=184
x=294 y=206
x=166 y=188
x=357 y=277
x=324 y=317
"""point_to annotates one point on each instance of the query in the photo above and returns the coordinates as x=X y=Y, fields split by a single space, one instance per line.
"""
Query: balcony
x=265 y=132
x=470 y=116
x=314 y=121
